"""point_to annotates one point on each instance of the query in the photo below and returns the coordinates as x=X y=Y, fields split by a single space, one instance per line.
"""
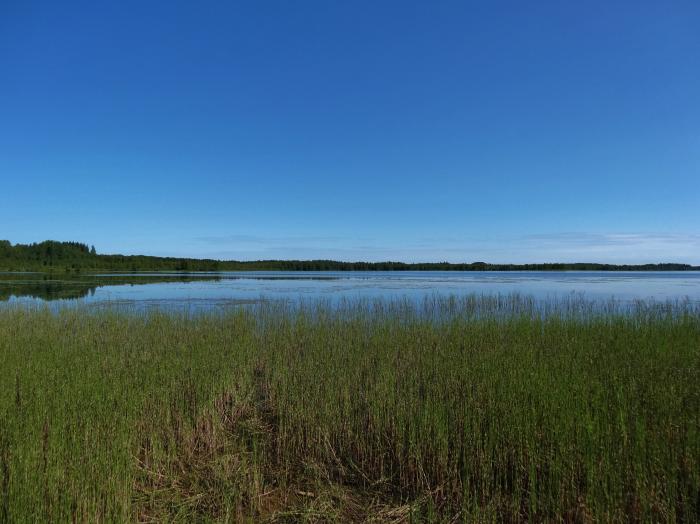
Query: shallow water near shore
x=215 y=291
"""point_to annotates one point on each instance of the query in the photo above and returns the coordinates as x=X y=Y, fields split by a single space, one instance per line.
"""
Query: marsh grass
x=495 y=408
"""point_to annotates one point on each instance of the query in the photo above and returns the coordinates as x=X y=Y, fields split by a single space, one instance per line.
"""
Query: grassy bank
x=459 y=409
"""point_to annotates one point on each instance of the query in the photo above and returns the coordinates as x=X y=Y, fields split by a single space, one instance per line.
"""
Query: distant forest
x=52 y=255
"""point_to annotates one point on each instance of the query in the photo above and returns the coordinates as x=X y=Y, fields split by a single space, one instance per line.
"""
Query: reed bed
x=478 y=408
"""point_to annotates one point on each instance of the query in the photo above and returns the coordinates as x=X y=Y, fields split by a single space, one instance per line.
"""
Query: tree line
x=76 y=256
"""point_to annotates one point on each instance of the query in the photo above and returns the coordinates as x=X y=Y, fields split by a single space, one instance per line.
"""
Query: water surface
x=225 y=289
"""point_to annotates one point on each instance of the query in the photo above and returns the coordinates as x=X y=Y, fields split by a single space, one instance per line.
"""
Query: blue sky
x=497 y=131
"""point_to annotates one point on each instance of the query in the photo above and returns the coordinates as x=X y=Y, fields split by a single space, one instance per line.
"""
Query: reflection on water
x=204 y=291
x=49 y=287
x=49 y=290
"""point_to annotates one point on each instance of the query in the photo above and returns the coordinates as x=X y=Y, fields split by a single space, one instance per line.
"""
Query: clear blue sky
x=498 y=131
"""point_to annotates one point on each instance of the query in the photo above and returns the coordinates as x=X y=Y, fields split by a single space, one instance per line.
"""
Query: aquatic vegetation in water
x=455 y=408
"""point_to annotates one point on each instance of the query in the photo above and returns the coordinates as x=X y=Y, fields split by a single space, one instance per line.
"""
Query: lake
x=205 y=291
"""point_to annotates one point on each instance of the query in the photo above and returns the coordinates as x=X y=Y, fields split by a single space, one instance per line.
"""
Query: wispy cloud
x=265 y=240
x=614 y=247
x=613 y=239
x=620 y=247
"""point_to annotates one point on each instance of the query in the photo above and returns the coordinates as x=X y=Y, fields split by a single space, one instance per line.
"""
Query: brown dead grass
x=224 y=467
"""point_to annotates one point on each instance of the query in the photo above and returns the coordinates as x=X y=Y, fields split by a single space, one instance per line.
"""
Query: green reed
x=473 y=408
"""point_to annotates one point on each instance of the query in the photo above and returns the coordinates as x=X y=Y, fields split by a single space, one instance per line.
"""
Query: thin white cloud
x=621 y=247
x=257 y=239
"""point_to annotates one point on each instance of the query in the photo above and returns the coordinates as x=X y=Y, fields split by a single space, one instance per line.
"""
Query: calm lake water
x=220 y=290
